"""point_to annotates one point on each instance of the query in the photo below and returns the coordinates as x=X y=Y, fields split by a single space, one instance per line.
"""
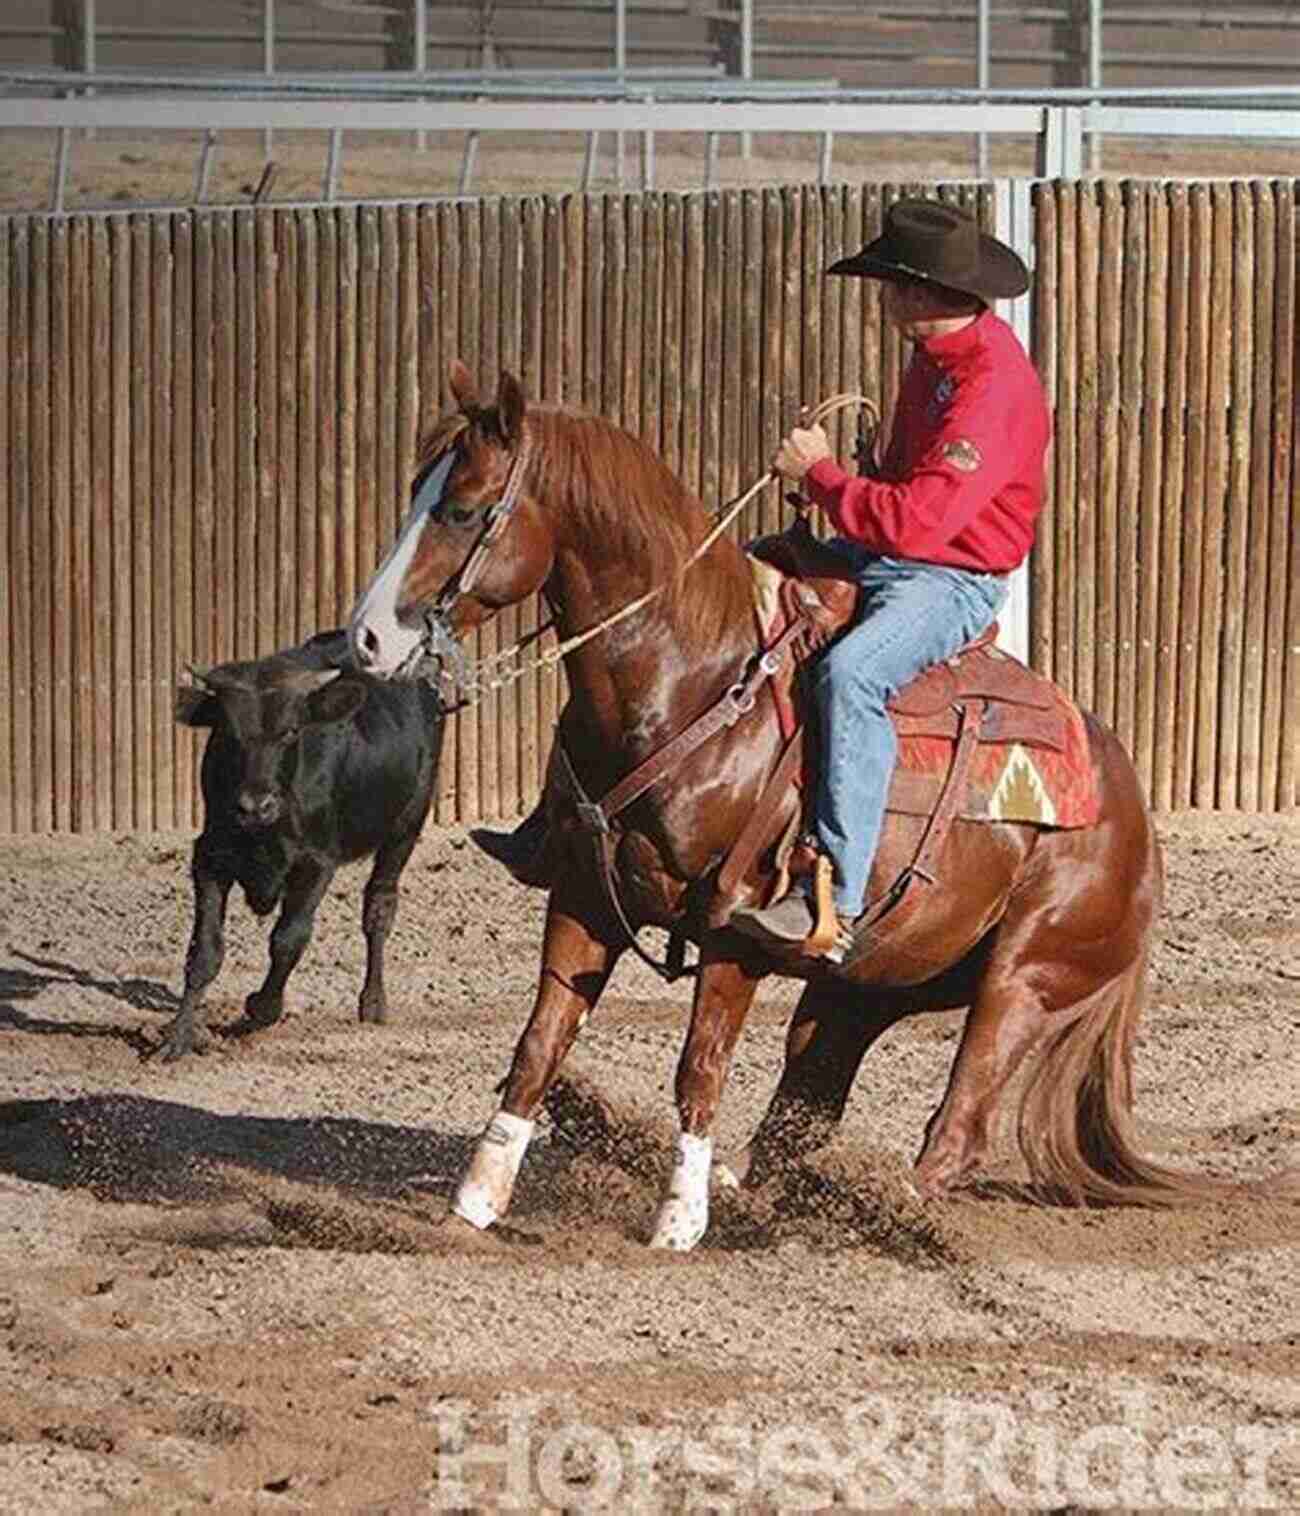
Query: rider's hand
x=800 y=450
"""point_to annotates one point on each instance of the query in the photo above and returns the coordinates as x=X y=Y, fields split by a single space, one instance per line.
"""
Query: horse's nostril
x=366 y=644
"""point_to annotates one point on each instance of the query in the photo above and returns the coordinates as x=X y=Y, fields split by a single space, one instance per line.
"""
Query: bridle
x=438 y=643
x=495 y=520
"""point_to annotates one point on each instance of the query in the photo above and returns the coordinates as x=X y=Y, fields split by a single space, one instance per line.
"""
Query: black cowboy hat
x=939 y=244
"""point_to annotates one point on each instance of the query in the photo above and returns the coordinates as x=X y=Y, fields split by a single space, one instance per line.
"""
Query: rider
x=932 y=539
x=930 y=542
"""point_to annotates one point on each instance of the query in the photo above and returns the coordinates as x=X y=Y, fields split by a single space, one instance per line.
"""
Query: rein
x=483 y=679
x=440 y=646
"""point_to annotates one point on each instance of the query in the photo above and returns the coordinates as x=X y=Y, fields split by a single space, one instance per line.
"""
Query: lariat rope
x=482 y=680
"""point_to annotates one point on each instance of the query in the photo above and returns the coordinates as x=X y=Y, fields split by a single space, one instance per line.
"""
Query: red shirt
x=963 y=473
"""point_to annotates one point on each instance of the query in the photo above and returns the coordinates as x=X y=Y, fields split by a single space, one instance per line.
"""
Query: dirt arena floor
x=228 y=1283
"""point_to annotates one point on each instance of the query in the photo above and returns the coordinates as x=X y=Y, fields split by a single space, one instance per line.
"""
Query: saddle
x=1018 y=705
x=981 y=737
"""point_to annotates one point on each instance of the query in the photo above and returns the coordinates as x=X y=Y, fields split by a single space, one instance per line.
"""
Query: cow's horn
x=311 y=680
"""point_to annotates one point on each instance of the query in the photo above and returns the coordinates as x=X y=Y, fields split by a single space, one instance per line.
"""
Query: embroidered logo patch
x=963 y=454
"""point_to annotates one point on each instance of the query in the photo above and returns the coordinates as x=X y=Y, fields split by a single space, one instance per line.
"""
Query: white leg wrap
x=483 y=1195
x=684 y=1213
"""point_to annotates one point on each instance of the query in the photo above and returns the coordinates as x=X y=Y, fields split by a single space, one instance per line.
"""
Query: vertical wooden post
x=288 y=575
x=1210 y=609
x=1132 y=381
x=163 y=343
x=1151 y=565
x=1170 y=633
x=1066 y=491
x=1282 y=694
x=184 y=787
x=204 y=531
x=1232 y=793
x=300 y=225
x=332 y=611
x=58 y=565
x=351 y=567
x=79 y=612
x=1191 y=652
x=1097 y=355
x=141 y=557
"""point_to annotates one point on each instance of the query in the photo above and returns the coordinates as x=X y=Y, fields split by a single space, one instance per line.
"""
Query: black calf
x=309 y=764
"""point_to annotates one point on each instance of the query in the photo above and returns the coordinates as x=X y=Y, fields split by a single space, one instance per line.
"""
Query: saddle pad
x=1010 y=781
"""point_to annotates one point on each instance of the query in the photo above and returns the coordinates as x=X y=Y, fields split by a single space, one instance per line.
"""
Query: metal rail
x=1059 y=130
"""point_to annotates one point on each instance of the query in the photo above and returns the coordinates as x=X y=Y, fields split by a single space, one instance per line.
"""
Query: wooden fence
x=209 y=419
x=1166 y=584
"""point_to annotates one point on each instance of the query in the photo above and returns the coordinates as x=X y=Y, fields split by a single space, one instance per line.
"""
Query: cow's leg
x=203 y=957
x=576 y=965
x=304 y=890
x=831 y=1030
x=724 y=992
x=378 y=911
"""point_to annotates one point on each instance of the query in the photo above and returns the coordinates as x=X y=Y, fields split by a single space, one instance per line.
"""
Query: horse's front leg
x=576 y=965
x=724 y=992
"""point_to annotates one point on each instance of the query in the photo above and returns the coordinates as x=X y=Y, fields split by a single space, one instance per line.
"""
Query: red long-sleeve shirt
x=963 y=473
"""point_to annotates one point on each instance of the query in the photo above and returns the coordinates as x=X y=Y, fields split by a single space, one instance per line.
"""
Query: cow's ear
x=339 y=700
x=196 y=706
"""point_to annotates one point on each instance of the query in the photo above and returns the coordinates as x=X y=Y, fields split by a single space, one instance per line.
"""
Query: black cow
x=309 y=764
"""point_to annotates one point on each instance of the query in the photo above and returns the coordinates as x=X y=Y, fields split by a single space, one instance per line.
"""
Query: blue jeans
x=912 y=616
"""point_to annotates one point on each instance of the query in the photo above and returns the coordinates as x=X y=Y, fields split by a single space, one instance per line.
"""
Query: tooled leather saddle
x=956 y=724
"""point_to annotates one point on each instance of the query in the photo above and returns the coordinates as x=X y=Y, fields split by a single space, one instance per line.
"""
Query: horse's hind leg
x=831 y=1030
x=1071 y=947
x=576 y=965
x=724 y=992
x=1002 y=1026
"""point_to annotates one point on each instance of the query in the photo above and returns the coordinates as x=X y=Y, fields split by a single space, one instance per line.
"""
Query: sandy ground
x=227 y=1283
x=119 y=172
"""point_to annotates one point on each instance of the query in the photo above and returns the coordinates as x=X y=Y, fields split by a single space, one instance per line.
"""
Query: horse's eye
x=461 y=515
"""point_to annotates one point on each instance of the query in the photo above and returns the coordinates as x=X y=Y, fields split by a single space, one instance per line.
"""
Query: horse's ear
x=510 y=407
x=463 y=386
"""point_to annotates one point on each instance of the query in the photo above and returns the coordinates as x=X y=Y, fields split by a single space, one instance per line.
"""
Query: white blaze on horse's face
x=381 y=644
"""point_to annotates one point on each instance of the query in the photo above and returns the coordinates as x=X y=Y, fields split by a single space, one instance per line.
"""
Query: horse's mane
x=615 y=487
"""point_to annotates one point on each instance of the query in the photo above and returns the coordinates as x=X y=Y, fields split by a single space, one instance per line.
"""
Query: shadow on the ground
x=143 y=994
x=130 y=1148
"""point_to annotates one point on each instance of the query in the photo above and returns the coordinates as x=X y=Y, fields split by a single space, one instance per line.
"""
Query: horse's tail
x=1076 y=1123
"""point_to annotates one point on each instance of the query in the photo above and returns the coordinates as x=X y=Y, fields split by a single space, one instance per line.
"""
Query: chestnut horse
x=1041 y=935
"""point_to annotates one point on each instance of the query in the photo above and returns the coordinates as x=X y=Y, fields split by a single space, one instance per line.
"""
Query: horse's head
x=474 y=540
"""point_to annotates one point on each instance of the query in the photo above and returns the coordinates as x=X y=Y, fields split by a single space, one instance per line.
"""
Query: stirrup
x=827 y=924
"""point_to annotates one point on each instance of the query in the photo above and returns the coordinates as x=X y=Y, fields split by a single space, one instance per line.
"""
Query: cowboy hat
x=937 y=243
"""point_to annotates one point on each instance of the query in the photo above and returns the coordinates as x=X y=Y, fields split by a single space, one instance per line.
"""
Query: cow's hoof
x=372 y=1013
x=180 y=1042
x=679 y=1225
x=263 y=1010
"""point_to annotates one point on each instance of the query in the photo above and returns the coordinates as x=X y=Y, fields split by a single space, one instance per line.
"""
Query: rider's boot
x=524 y=851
